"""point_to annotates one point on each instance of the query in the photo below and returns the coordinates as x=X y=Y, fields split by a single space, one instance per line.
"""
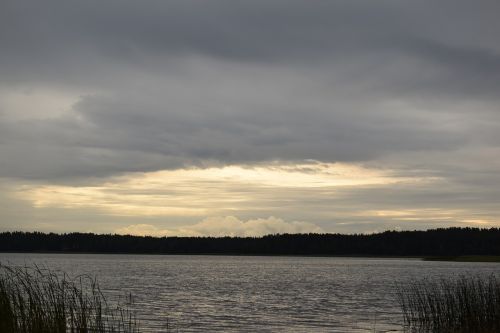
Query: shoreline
x=463 y=258
x=361 y=256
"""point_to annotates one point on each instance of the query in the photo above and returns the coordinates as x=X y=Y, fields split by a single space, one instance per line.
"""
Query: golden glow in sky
x=203 y=192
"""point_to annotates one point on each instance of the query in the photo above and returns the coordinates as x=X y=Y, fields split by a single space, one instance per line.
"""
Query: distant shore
x=450 y=244
x=358 y=256
x=464 y=258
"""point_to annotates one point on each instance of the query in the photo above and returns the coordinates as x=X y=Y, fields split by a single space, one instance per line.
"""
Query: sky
x=244 y=118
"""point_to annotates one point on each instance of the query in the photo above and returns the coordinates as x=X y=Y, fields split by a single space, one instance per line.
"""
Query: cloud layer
x=93 y=91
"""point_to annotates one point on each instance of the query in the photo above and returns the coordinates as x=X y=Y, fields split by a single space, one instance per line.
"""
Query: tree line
x=434 y=242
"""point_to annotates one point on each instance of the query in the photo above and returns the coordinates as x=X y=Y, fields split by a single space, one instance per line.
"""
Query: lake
x=255 y=294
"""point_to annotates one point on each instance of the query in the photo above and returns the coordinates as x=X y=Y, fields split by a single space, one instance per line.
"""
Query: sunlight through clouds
x=205 y=192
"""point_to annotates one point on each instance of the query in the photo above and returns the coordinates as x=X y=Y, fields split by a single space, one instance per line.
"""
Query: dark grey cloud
x=168 y=84
x=63 y=41
x=163 y=129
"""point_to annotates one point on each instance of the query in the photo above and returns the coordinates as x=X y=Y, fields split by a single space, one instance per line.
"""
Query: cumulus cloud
x=225 y=226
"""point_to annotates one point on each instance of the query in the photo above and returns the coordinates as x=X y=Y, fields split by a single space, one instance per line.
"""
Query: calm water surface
x=256 y=294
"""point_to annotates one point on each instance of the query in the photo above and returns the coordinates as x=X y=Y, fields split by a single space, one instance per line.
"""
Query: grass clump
x=37 y=300
x=465 y=304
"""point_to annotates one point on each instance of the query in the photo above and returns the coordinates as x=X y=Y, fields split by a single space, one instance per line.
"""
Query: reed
x=37 y=300
x=465 y=304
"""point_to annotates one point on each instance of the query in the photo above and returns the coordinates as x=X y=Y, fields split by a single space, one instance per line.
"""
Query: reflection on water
x=249 y=294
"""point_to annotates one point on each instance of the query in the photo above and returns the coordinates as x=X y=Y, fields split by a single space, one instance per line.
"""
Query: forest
x=433 y=242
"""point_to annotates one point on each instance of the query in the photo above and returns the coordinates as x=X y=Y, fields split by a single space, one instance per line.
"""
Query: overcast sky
x=249 y=117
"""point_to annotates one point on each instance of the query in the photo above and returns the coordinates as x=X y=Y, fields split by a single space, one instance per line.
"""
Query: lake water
x=256 y=294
